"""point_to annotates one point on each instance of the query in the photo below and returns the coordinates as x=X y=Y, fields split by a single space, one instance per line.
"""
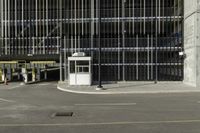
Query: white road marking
x=107 y=104
x=5 y=100
x=103 y=123
x=14 y=87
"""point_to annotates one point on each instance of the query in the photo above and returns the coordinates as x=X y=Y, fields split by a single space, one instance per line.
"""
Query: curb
x=128 y=92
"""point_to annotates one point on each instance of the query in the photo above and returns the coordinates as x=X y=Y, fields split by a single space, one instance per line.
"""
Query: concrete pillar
x=5 y=74
x=18 y=73
x=192 y=42
x=25 y=75
x=1 y=73
x=38 y=75
x=33 y=74
x=45 y=72
x=9 y=73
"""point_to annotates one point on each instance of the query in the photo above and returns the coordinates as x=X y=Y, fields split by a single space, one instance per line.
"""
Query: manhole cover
x=63 y=114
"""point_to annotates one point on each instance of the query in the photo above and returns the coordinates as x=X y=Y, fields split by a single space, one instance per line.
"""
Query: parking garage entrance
x=140 y=39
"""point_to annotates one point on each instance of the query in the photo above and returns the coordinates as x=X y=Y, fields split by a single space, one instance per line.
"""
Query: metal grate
x=62 y=114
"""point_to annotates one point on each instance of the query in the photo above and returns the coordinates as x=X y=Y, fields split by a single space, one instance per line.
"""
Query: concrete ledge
x=130 y=88
x=34 y=82
x=38 y=81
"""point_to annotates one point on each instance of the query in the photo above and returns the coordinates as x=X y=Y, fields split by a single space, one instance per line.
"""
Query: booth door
x=80 y=73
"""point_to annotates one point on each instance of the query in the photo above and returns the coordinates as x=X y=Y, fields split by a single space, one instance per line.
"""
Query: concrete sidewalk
x=10 y=86
x=131 y=88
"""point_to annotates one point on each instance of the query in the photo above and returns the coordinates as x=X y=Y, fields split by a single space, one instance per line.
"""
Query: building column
x=9 y=73
x=25 y=75
x=33 y=74
x=192 y=42
x=1 y=74
x=45 y=72
x=38 y=75
x=18 y=73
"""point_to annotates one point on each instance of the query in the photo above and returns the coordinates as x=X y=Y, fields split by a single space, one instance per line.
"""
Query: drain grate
x=63 y=114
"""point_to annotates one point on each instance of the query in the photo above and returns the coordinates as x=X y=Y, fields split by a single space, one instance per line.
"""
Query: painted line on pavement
x=5 y=100
x=103 y=123
x=107 y=104
x=14 y=87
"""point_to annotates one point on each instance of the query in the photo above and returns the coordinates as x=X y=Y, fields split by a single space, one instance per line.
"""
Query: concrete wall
x=192 y=42
x=198 y=47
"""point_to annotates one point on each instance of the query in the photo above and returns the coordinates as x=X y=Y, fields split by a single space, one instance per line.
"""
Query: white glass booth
x=79 y=70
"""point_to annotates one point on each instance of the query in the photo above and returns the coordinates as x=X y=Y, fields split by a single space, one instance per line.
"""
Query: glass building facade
x=140 y=39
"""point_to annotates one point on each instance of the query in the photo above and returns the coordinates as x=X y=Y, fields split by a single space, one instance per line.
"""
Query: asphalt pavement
x=32 y=109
